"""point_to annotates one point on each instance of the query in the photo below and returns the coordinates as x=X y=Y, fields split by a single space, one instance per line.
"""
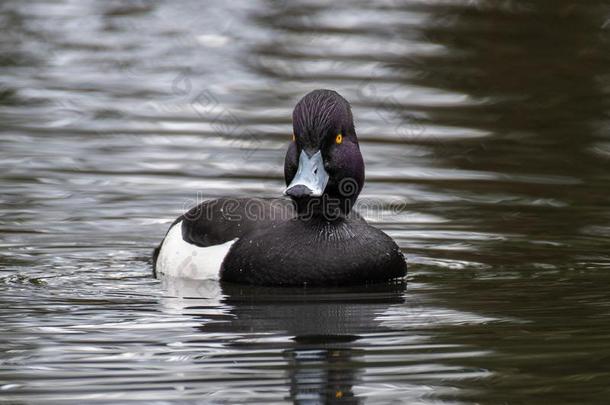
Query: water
x=484 y=128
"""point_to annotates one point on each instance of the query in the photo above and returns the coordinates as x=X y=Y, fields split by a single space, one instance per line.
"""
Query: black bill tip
x=298 y=191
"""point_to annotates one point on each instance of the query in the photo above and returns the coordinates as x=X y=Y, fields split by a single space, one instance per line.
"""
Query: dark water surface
x=485 y=130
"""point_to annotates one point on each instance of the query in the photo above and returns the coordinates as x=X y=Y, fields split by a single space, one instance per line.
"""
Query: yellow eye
x=294 y=138
x=339 y=139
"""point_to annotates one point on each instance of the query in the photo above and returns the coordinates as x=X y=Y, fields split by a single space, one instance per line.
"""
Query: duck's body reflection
x=322 y=324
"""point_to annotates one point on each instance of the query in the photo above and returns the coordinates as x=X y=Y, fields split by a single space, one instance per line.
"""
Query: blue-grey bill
x=310 y=174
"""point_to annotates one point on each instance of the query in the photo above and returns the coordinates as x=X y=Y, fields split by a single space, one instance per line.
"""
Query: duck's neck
x=324 y=208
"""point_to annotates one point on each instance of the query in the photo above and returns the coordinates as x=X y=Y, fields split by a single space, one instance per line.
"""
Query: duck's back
x=197 y=242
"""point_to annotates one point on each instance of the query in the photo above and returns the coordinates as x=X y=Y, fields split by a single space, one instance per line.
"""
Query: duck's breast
x=314 y=252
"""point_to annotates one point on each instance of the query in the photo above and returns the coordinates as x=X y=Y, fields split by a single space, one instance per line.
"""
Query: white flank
x=178 y=258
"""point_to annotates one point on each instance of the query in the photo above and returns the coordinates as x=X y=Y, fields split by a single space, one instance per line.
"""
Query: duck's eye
x=339 y=139
x=294 y=138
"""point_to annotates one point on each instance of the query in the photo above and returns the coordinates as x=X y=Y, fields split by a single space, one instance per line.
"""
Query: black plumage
x=312 y=239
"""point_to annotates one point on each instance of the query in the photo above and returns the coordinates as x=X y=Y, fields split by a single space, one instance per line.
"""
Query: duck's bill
x=311 y=178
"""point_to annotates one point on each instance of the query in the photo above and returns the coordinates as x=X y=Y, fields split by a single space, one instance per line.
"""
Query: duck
x=310 y=236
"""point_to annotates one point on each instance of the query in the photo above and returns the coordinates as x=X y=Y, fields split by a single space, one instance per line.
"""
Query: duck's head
x=323 y=162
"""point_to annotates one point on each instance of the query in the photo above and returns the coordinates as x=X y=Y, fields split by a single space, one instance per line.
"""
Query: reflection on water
x=325 y=343
x=484 y=129
x=322 y=359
